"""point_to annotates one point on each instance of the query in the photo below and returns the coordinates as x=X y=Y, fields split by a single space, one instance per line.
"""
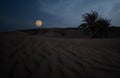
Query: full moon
x=38 y=23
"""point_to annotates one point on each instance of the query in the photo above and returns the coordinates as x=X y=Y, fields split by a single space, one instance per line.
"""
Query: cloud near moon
x=71 y=11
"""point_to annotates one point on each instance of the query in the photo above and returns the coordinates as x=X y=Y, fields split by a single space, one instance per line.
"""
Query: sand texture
x=33 y=56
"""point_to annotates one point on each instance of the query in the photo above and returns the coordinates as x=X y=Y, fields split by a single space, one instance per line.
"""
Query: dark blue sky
x=21 y=14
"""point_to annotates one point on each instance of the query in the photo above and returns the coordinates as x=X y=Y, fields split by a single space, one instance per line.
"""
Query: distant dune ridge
x=58 y=53
x=113 y=32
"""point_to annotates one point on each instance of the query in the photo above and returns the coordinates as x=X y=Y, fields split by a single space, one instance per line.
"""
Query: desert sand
x=32 y=56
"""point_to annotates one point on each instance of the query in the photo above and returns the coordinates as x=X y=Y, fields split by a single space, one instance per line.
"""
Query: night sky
x=21 y=14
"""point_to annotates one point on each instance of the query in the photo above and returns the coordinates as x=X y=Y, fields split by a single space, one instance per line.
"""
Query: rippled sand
x=25 y=56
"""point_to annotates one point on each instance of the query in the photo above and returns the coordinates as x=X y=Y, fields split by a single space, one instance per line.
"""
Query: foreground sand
x=25 y=56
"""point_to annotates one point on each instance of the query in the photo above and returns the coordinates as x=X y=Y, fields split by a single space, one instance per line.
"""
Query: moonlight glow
x=38 y=23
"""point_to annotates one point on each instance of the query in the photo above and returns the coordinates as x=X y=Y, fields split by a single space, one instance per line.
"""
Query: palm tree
x=90 y=20
x=103 y=25
x=95 y=23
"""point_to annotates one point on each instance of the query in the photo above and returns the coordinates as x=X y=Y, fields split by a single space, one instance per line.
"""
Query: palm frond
x=90 y=18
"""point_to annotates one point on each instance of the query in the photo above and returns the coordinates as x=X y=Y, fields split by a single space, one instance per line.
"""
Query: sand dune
x=33 y=56
x=113 y=32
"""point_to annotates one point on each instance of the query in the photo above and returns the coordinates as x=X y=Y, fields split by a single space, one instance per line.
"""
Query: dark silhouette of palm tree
x=103 y=25
x=95 y=23
x=90 y=20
